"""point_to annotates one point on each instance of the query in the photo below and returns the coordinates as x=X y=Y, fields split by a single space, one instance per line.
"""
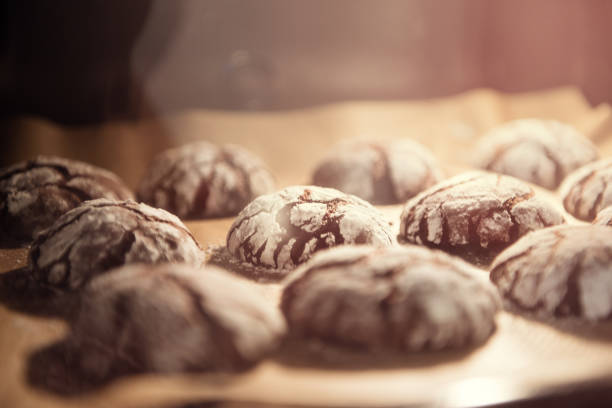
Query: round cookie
x=588 y=190
x=201 y=180
x=540 y=151
x=100 y=235
x=281 y=230
x=401 y=298
x=561 y=271
x=35 y=193
x=172 y=318
x=475 y=215
x=604 y=217
x=380 y=172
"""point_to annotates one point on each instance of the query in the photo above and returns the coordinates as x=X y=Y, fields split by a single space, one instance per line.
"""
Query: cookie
x=172 y=318
x=558 y=272
x=475 y=215
x=540 y=151
x=100 y=235
x=201 y=180
x=401 y=298
x=588 y=190
x=380 y=172
x=35 y=193
x=281 y=230
x=604 y=217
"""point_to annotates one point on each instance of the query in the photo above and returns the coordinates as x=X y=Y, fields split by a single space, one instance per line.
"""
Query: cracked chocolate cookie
x=540 y=151
x=585 y=192
x=475 y=215
x=401 y=298
x=35 y=193
x=201 y=180
x=379 y=172
x=172 y=318
x=281 y=230
x=100 y=235
x=562 y=271
x=604 y=217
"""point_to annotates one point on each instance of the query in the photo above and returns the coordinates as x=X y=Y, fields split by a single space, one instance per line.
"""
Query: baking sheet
x=523 y=358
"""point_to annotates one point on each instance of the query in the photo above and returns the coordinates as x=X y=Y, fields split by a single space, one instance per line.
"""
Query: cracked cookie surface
x=588 y=190
x=172 y=318
x=201 y=180
x=102 y=234
x=475 y=215
x=561 y=271
x=401 y=298
x=380 y=172
x=281 y=230
x=35 y=193
x=540 y=151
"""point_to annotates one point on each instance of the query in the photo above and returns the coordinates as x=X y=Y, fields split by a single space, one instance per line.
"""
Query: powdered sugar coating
x=201 y=180
x=379 y=172
x=400 y=298
x=604 y=217
x=540 y=151
x=588 y=190
x=102 y=234
x=34 y=193
x=284 y=229
x=561 y=271
x=172 y=318
x=475 y=215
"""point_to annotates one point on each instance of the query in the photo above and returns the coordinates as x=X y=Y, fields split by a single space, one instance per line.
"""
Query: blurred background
x=90 y=62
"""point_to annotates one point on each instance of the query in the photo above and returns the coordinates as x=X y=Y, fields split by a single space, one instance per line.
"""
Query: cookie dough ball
x=475 y=215
x=284 y=229
x=380 y=172
x=588 y=190
x=100 y=235
x=561 y=271
x=201 y=180
x=35 y=193
x=172 y=318
x=540 y=151
x=400 y=298
x=604 y=217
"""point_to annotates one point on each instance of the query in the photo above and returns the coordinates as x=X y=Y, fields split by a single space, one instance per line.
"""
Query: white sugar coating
x=558 y=271
x=475 y=208
x=407 y=298
x=604 y=217
x=540 y=151
x=173 y=318
x=588 y=190
x=277 y=230
x=404 y=166
x=230 y=175
x=86 y=240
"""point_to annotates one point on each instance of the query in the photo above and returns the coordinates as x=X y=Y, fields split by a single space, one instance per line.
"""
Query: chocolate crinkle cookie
x=380 y=172
x=562 y=271
x=540 y=151
x=35 y=193
x=281 y=230
x=475 y=215
x=201 y=180
x=588 y=190
x=171 y=318
x=102 y=234
x=604 y=217
x=400 y=298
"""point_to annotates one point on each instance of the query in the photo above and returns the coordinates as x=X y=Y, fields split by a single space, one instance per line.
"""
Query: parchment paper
x=523 y=358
